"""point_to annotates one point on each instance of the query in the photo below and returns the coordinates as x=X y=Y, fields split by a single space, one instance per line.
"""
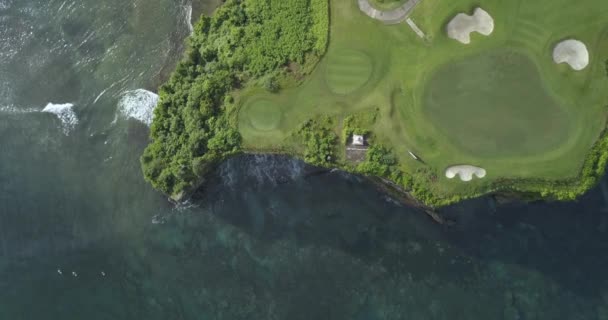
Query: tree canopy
x=194 y=123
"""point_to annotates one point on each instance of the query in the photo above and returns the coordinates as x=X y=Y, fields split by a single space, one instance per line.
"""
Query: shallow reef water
x=293 y=243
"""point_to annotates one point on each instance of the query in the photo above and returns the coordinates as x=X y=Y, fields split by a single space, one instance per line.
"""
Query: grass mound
x=263 y=115
x=494 y=105
x=348 y=70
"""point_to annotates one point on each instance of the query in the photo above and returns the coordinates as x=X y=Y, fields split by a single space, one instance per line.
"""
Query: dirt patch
x=356 y=154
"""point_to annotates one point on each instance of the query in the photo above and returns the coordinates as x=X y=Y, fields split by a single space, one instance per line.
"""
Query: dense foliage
x=319 y=141
x=194 y=123
x=359 y=123
x=379 y=161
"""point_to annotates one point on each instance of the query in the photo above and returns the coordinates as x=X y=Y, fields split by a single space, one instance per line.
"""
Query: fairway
x=495 y=105
x=499 y=102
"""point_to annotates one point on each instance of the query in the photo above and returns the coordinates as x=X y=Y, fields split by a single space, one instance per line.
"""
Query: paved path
x=414 y=27
x=389 y=17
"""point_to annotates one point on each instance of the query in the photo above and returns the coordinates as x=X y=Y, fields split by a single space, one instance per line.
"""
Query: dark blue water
x=82 y=236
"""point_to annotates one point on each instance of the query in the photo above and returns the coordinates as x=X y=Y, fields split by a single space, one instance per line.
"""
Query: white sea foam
x=188 y=10
x=138 y=104
x=65 y=113
x=14 y=110
x=100 y=95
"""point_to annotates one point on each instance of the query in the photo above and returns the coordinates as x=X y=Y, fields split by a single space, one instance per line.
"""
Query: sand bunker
x=465 y=172
x=572 y=52
x=462 y=25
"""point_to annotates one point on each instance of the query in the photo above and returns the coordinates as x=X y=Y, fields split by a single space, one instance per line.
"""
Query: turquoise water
x=82 y=236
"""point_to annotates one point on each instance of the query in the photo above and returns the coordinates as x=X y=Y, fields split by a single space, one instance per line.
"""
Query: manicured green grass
x=264 y=115
x=500 y=103
x=495 y=105
x=387 y=4
x=347 y=71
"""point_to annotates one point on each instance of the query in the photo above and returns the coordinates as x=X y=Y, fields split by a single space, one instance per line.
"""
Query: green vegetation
x=387 y=4
x=347 y=71
x=360 y=123
x=264 y=115
x=195 y=122
x=524 y=119
x=593 y=169
x=319 y=141
x=500 y=103
x=379 y=161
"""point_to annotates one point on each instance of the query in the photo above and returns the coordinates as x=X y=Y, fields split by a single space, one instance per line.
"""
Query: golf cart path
x=389 y=17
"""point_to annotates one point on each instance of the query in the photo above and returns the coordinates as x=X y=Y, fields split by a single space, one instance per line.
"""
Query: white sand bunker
x=465 y=172
x=572 y=52
x=462 y=25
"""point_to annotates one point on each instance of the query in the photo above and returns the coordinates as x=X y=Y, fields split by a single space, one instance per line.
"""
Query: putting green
x=494 y=105
x=348 y=70
x=263 y=115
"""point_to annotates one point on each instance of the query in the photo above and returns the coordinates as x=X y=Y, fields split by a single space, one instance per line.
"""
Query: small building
x=357 y=149
x=358 y=140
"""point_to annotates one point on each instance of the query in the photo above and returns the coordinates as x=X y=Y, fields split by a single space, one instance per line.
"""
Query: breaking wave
x=14 y=110
x=65 y=113
x=138 y=104
x=188 y=17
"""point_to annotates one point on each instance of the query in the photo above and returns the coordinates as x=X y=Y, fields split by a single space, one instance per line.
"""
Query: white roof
x=358 y=139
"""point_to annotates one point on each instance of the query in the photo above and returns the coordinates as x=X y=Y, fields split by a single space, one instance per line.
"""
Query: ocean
x=83 y=236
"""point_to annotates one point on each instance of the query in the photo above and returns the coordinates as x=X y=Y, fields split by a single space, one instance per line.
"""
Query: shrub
x=359 y=123
x=319 y=141
x=194 y=126
x=271 y=84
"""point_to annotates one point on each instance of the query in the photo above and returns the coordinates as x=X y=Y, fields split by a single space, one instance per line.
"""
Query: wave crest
x=139 y=105
x=65 y=113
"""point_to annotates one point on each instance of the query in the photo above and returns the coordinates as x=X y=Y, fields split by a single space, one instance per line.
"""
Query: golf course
x=489 y=96
x=442 y=100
